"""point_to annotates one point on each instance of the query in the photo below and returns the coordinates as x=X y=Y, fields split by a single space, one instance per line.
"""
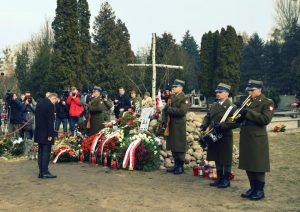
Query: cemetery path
x=80 y=187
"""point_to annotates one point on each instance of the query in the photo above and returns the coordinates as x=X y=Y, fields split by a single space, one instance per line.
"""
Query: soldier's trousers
x=260 y=176
x=179 y=157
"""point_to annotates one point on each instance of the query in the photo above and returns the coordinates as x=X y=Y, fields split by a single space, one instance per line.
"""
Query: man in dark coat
x=122 y=103
x=96 y=110
x=44 y=133
x=221 y=150
x=15 y=114
x=254 y=145
x=177 y=126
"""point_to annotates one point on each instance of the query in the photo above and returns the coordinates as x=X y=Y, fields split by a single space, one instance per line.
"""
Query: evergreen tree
x=66 y=60
x=111 y=51
x=192 y=50
x=252 y=62
x=85 y=39
x=229 y=58
x=22 y=68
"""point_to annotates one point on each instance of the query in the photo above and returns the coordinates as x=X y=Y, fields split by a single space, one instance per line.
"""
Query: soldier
x=177 y=126
x=254 y=146
x=96 y=110
x=221 y=150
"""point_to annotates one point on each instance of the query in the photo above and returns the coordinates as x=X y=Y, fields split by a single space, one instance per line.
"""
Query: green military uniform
x=107 y=109
x=176 y=141
x=220 y=151
x=96 y=110
x=254 y=146
x=177 y=111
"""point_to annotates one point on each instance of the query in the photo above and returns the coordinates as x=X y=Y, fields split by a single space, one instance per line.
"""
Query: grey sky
x=19 y=19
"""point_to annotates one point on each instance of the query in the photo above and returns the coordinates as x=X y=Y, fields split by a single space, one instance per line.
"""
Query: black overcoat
x=44 y=122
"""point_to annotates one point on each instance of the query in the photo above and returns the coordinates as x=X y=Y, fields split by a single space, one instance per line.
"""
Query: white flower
x=155 y=152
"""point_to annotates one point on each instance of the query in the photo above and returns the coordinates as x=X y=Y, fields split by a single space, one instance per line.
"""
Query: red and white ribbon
x=95 y=141
x=130 y=154
x=60 y=153
x=107 y=139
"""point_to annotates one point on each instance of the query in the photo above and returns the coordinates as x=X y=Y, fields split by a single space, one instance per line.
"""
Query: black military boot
x=225 y=181
x=248 y=193
x=173 y=168
x=179 y=169
x=258 y=192
x=218 y=180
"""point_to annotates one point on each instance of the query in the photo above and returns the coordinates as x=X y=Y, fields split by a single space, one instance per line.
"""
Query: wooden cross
x=154 y=65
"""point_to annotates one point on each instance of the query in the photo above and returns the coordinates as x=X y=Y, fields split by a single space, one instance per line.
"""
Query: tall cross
x=154 y=65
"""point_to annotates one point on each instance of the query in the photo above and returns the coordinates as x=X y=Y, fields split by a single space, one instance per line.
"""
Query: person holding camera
x=15 y=114
x=62 y=115
x=76 y=109
x=96 y=112
x=28 y=116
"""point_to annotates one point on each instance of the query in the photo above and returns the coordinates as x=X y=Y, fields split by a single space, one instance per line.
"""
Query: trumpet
x=237 y=114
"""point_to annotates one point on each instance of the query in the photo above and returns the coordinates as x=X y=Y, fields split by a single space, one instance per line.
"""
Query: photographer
x=62 y=115
x=108 y=104
x=15 y=112
x=76 y=109
x=28 y=114
x=122 y=103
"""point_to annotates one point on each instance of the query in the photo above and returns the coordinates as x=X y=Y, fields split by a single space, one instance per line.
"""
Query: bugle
x=237 y=114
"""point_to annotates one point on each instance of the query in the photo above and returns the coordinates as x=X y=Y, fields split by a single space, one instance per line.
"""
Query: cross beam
x=154 y=65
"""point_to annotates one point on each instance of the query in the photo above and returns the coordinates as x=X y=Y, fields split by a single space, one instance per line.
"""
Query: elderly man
x=44 y=133
x=254 y=146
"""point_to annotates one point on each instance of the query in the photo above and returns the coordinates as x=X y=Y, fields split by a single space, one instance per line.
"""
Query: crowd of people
x=92 y=110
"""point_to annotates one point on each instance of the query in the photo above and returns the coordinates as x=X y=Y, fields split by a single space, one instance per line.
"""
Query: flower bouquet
x=279 y=128
x=5 y=146
x=18 y=147
x=64 y=154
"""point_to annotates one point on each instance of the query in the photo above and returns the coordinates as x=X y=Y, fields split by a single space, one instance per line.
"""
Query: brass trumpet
x=237 y=114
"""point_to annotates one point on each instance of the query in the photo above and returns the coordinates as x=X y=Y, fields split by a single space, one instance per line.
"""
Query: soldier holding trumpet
x=254 y=146
x=220 y=151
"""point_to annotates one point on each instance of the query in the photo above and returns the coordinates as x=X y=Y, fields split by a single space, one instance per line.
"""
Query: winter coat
x=76 y=108
x=96 y=110
x=16 y=112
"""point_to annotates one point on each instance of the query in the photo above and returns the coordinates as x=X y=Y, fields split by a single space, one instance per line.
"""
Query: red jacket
x=75 y=107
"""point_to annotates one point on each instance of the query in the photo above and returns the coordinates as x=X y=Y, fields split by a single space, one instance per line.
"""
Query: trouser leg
x=180 y=157
x=251 y=178
x=40 y=157
x=44 y=158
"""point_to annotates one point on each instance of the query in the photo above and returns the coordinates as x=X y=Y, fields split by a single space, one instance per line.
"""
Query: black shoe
x=217 y=182
x=224 y=182
x=48 y=175
x=248 y=193
x=258 y=193
x=171 y=169
x=179 y=170
x=40 y=175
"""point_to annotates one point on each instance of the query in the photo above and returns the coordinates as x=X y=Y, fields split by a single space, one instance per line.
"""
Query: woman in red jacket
x=76 y=108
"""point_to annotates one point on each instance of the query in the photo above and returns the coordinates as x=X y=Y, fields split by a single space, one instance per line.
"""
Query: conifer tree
x=22 y=68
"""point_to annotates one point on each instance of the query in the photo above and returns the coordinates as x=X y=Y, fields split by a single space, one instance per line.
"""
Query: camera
x=64 y=95
x=28 y=98
x=9 y=96
x=73 y=94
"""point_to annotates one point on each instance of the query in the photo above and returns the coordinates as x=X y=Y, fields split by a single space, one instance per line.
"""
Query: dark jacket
x=29 y=111
x=62 y=110
x=96 y=110
x=254 y=145
x=44 y=122
x=177 y=111
x=123 y=102
x=220 y=151
x=16 y=112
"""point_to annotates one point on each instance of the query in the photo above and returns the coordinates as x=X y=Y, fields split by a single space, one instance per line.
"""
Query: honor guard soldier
x=220 y=151
x=254 y=146
x=176 y=112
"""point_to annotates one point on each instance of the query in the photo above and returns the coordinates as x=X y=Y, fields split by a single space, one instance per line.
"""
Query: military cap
x=178 y=82
x=222 y=87
x=96 y=88
x=254 y=84
x=104 y=93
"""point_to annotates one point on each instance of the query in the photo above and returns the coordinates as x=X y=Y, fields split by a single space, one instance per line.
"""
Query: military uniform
x=254 y=146
x=221 y=150
x=177 y=137
x=96 y=110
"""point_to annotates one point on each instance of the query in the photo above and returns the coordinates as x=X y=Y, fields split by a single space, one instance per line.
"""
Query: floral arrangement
x=279 y=128
x=5 y=146
x=12 y=146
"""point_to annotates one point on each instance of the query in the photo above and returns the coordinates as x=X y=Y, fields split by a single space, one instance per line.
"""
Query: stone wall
x=195 y=153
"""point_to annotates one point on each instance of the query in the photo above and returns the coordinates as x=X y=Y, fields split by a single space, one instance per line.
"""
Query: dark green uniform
x=254 y=146
x=177 y=111
x=220 y=151
x=96 y=110
x=108 y=104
